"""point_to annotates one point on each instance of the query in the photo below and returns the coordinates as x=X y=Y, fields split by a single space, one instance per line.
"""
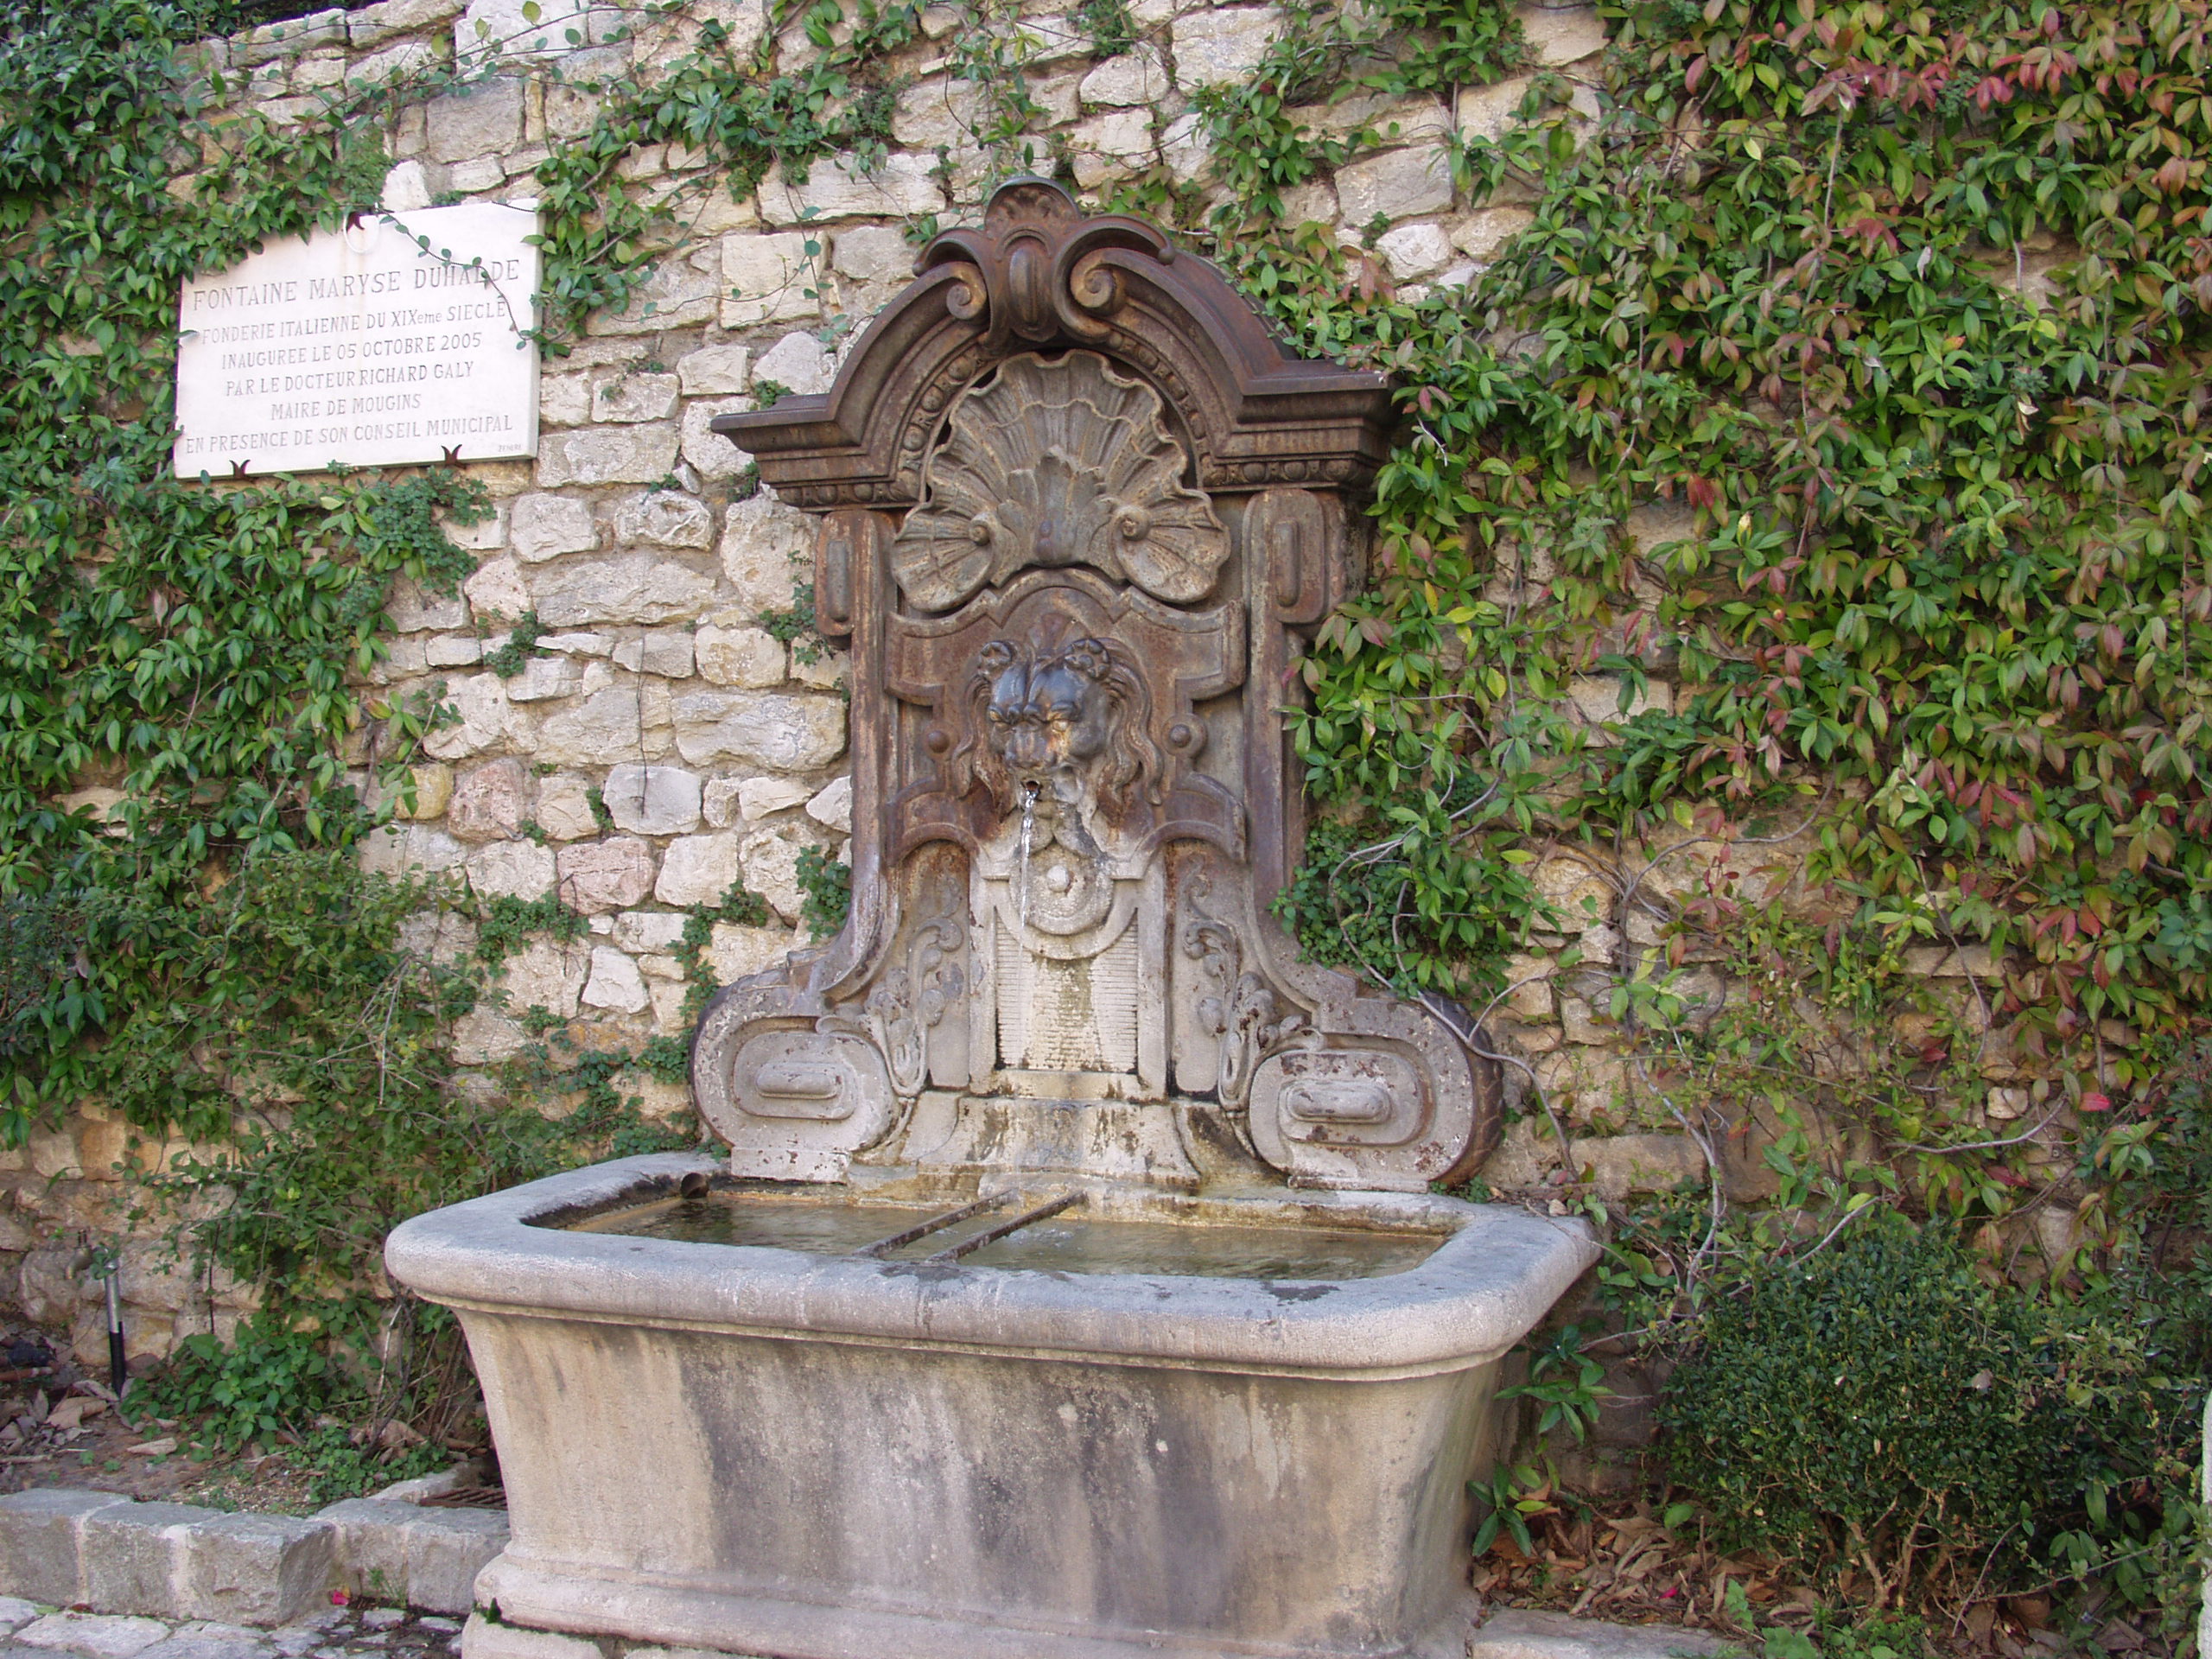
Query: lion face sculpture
x=1043 y=716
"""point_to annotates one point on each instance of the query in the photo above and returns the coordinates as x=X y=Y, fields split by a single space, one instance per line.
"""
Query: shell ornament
x=1057 y=463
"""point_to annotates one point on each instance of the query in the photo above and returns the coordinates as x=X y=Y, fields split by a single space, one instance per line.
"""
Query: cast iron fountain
x=1074 y=1284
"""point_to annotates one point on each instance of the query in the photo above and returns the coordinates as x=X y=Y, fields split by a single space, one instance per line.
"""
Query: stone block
x=765 y=279
x=870 y=253
x=937 y=110
x=490 y=801
x=542 y=527
x=545 y=973
x=628 y=398
x=406 y=188
x=734 y=951
x=1414 y=251
x=1137 y=78
x=512 y=869
x=839 y=188
x=412 y=610
x=1480 y=235
x=481 y=702
x=254 y=1569
x=797 y=363
x=1214 y=48
x=1397 y=184
x=428 y=1558
x=598 y=731
x=496 y=593
x=469 y=178
x=479 y=118
x=372 y=24
x=751 y=657
x=615 y=984
x=644 y=931
x=95 y=1636
x=481 y=1639
x=697 y=869
x=565 y=400
x=433 y=790
x=133 y=1554
x=765 y=546
x=1560 y=35
x=486 y=534
x=761 y=797
x=1943 y=961
x=1183 y=146
x=293 y=36
x=564 y=807
x=1393 y=120
x=502 y=28
x=833 y=807
x=680 y=292
x=40 y=1535
x=770 y=860
x=599 y=876
x=632 y=588
x=653 y=800
x=1104 y=143
x=452 y=651
x=713 y=370
x=15 y=1613
x=789 y=732
x=1521 y=1633
x=1491 y=112
x=664 y=651
x=665 y=518
x=607 y=455
x=705 y=450
x=201 y=1639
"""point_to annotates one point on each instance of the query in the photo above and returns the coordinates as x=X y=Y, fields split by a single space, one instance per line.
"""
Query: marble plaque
x=398 y=340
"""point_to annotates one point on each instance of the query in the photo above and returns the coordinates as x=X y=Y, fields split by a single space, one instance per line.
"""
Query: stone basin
x=819 y=1455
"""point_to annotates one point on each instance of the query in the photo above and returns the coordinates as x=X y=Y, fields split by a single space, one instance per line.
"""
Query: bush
x=1873 y=1406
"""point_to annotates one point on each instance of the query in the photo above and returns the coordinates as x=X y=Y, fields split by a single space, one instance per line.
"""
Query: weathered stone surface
x=1944 y=962
x=544 y=526
x=412 y=610
x=1398 y=184
x=39 y=1534
x=15 y=1613
x=937 y=110
x=505 y=29
x=483 y=174
x=1414 y=250
x=486 y=534
x=484 y=1640
x=1558 y=35
x=598 y=731
x=653 y=800
x=452 y=651
x=714 y=370
x=697 y=869
x=482 y=703
x=514 y=869
x=544 y=678
x=495 y=593
x=751 y=657
x=1524 y=1633
x=564 y=807
x=707 y=451
x=406 y=188
x=602 y=875
x=490 y=801
x=666 y=652
x=1490 y=111
x=380 y=23
x=641 y=931
x=98 y=1635
x=872 y=253
x=839 y=188
x=761 y=797
x=765 y=547
x=720 y=804
x=790 y=732
x=254 y=1569
x=129 y=1553
x=1101 y=145
x=1137 y=77
x=797 y=363
x=1393 y=120
x=615 y=982
x=632 y=587
x=1480 y=235
x=484 y=1036
x=765 y=279
x=478 y=119
x=615 y=454
x=545 y=973
x=680 y=292
x=1214 y=48
x=1582 y=896
x=770 y=859
x=735 y=951
x=665 y=518
x=429 y=1558
x=433 y=785
x=390 y=850
x=833 y=807
x=631 y=396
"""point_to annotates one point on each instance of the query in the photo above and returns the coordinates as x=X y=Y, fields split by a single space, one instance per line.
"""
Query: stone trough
x=1075 y=1282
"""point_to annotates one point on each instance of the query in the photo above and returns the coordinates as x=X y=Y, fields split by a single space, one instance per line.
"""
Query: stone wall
x=660 y=742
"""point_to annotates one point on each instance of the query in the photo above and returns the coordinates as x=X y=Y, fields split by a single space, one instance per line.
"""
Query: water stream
x=1022 y=854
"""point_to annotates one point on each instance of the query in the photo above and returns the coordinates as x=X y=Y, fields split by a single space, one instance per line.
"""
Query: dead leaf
x=71 y=1411
x=160 y=1448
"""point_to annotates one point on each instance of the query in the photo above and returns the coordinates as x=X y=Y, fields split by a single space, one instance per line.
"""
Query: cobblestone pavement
x=29 y=1632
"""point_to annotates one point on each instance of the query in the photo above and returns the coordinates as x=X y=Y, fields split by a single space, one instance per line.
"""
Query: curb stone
x=1524 y=1633
x=127 y=1560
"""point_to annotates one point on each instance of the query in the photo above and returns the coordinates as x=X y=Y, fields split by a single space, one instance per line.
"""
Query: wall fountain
x=1074 y=1284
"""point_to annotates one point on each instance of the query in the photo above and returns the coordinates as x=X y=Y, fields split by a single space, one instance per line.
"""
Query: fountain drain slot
x=923 y=1230
x=1012 y=1224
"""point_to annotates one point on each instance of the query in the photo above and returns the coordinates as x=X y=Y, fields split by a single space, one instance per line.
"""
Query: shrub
x=1874 y=1405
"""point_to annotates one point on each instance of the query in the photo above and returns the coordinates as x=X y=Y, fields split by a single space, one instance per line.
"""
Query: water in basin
x=1062 y=1243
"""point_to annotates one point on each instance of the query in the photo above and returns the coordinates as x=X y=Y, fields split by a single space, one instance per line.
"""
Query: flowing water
x=1022 y=854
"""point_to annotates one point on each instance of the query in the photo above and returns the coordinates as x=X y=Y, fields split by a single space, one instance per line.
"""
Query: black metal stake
x=118 y=1373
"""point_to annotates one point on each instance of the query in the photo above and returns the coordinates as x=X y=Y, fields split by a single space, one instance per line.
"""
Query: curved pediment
x=1038 y=276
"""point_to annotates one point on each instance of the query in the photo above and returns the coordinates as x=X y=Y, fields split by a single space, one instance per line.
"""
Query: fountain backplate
x=1079 y=507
